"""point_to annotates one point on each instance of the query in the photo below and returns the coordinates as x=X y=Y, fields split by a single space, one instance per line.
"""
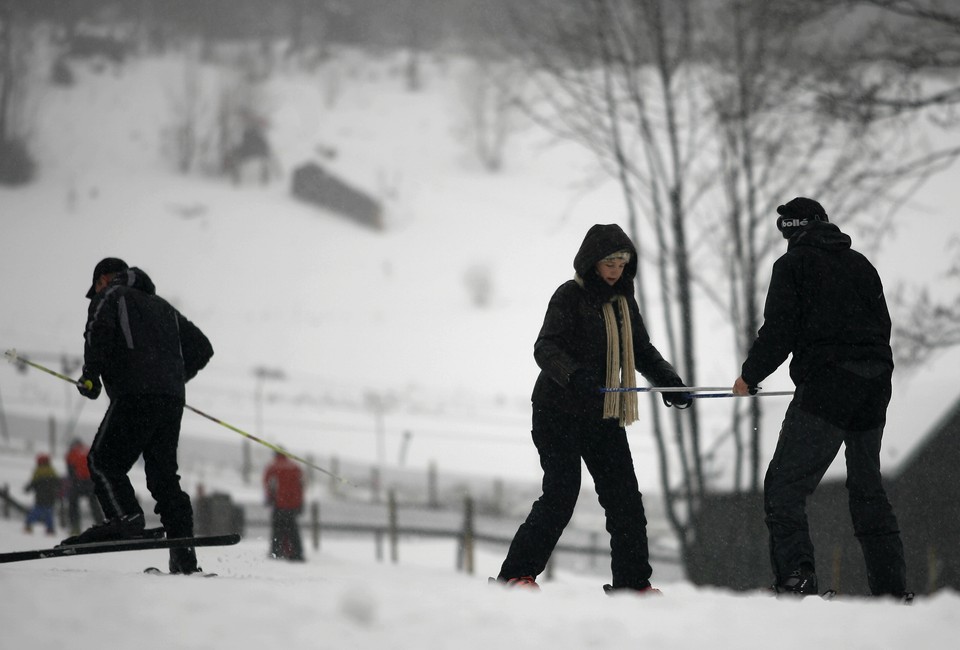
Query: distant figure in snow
x=46 y=486
x=825 y=305
x=144 y=351
x=592 y=337
x=79 y=484
x=283 y=488
x=253 y=147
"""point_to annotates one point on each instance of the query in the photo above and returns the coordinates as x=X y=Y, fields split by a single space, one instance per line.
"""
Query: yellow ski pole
x=279 y=450
x=13 y=357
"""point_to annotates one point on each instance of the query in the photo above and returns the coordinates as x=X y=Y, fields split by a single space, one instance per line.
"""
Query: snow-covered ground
x=342 y=598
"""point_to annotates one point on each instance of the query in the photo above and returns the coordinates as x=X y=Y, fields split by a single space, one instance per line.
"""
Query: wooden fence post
x=315 y=524
x=334 y=473
x=498 y=496
x=375 y=484
x=432 y=500
x=468 y=531
x=392 y=523
x=53 y=436
x=4 y=430
x=837 y=565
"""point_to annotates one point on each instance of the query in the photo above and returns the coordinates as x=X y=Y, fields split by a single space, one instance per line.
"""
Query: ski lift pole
x=663 y=389
x=773 y=393
x=13 y=357
x=698 y=392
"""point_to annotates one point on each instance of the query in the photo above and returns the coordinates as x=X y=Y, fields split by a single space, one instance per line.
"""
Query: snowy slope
x=345 y=312
x=342 y=598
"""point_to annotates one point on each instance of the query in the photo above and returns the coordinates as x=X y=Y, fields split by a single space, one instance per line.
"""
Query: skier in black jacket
x=825 y=305
x=143 y=351
x=592 y=336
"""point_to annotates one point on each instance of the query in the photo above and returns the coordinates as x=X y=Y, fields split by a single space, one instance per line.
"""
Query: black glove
x=680 y=400
x=584 y=383
x=89 y=387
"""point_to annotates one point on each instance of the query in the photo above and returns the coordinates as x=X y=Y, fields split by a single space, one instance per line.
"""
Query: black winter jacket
x=573 y=335
x=825 y=305
x=137 y=343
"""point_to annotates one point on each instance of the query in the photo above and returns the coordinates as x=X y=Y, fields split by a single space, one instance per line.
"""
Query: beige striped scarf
x=621 y=369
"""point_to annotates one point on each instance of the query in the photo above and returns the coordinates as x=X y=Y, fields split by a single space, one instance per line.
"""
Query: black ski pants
x=147 y=425
x=81 y=488
x=286 y=542
x=562 y=440
x=807 y=446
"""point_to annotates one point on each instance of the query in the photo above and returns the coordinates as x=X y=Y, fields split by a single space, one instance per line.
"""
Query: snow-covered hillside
x=353 y=317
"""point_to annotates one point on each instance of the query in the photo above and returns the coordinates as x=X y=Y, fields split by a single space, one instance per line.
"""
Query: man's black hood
x=600 y=241
x=820 y=234
x=135 y=278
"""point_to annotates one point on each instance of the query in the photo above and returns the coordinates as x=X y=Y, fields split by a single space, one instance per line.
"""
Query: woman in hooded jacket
x=593 y=337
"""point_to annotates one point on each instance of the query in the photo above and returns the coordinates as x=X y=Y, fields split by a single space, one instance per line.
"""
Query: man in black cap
x=103 y=272
x=144 y=351
x=825 y=305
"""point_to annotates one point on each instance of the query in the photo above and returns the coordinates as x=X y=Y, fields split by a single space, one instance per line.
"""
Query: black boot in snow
x=801 y=582
x=125 y=527
x=184 y=561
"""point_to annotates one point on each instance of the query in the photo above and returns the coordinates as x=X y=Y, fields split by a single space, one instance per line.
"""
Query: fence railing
x=8 y=503
x=468 y=532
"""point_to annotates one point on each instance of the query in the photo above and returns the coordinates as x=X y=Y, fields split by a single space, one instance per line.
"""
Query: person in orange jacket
x=283 y=486
x=79 y=484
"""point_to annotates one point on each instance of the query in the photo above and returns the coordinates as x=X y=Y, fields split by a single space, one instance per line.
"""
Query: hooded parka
x=569 y=425
x=573 y=336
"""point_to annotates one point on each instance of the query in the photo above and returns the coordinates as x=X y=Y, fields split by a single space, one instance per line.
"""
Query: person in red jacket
x=283 y=486
x=79 y=484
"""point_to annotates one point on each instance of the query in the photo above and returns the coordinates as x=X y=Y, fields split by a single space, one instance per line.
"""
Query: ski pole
x=663 y=389
x=279 y=450
x=695 y=391
x=773 y=393
x=13 y=357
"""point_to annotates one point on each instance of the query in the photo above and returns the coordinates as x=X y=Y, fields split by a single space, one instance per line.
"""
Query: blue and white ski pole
x=696 y=392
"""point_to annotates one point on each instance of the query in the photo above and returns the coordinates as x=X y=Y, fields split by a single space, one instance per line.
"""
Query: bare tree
x=610 y=76
x=708 y=115
x=926 y=325
x=774 y=139
x=489 y=89
x=16 y=50
x=913 y=54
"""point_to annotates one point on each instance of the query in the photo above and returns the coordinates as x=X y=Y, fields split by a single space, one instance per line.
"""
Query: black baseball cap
x=104 y=267
x=797 y=213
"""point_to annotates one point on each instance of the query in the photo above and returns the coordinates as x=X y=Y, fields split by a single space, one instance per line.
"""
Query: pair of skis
x=116 y=546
